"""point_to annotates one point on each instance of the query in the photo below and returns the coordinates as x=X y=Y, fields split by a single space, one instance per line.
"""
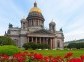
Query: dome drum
x=35 y=15
x=35 y=18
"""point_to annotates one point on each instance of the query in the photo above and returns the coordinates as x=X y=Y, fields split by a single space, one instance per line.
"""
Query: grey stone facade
x=32 y=30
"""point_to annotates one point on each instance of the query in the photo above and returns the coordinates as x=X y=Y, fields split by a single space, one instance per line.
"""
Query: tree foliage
x=76 y=45
x=4 y=40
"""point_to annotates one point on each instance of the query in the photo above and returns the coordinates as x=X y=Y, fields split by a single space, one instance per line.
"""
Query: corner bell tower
x=52 y=26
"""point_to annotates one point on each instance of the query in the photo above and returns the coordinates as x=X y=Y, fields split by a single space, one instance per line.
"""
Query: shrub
x=42 y=46
x=35 y=46
x=9 y=49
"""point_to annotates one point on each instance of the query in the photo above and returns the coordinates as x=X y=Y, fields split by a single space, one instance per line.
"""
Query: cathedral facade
x=32 y=30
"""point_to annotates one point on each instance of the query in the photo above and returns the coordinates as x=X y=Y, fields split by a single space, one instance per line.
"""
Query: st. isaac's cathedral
x=32 y=30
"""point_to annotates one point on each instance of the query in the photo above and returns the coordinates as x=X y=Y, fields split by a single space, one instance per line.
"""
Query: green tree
x=76 y=45
x=72 y=45
x=4 y=40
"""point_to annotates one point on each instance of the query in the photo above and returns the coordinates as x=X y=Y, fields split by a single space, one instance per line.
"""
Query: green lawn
x=76 y=53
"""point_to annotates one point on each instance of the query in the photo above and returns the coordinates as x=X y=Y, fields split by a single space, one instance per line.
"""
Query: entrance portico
x=42 y=39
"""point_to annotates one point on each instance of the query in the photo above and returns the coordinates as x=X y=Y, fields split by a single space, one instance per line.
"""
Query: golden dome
x=35 y=8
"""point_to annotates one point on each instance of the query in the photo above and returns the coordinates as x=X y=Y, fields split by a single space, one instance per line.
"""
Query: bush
x=42 y=46
x=9 y=49
x=35 y=46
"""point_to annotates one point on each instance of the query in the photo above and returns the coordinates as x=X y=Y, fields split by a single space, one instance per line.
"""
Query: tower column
x=51 y=43
x=31 y=22
x=38 y=22
x=28 y=39
x=32 y=39
x=46 y=40
x=36 y=40
x=34 y=22
x=40 y=40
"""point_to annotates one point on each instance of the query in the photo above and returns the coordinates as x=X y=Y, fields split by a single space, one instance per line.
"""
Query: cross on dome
x=35 y=4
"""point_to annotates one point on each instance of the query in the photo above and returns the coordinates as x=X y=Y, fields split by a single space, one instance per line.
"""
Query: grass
x=76 y=53
x=9 y=49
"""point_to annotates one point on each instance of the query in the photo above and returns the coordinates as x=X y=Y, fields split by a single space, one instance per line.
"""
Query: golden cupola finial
x=35 y=8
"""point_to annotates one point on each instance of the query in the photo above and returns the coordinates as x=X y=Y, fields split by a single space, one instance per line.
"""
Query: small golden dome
x=35 y=8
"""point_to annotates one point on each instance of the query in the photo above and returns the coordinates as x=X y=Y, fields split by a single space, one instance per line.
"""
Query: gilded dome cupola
x=35 y=8
x=35 y=12
x=35 y=17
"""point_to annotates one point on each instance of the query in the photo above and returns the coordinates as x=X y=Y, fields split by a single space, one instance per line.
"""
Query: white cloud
x=75 y=30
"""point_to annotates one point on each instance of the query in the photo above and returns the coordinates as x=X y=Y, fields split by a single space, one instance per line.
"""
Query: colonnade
x=44 y=40
x=34 y=22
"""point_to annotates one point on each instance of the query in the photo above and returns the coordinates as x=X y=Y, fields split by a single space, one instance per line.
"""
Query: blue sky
x=68 y=14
